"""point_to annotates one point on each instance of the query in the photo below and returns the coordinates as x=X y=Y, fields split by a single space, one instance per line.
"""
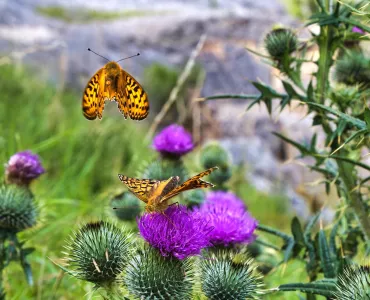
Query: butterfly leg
x=163 y=213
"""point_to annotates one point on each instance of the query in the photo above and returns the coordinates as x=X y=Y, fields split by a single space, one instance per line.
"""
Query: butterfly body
x=113 y=83
x=156 y=193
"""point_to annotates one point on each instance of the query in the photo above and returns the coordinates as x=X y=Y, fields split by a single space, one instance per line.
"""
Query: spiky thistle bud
x=227 y=275
x=98 y=252
x=195 y=198
x=18 y=210
x=215 y=155
x=353 y=69
x=125 y=206
x=353 y=283
x=280 y=42
x=23 y=167
x=149 y=275
x=164 y=169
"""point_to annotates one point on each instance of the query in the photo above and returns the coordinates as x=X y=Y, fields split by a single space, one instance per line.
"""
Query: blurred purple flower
x=23 y=167
x=177 y=231
x=229 y=217
x=173 y=140
x=358 y=30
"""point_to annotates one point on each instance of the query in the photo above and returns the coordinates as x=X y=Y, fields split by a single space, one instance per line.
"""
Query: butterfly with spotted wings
x=155 y=193
x=113 y=83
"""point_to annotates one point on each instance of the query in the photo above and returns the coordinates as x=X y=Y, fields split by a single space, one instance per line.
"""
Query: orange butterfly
x=113 y=83
x=156 y=193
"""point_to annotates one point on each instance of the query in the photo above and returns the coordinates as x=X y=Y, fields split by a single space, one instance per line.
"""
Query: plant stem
x=354 y=200
x=273 y=231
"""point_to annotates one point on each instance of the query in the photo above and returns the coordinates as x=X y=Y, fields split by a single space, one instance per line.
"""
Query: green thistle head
x=164 y=169
x=18 y=210
x=353 y=69
x=354 y=283
x=149 y=275
x=215 y=155
x=227 y=275
x=126 y=206
x=195 y=197
x=280 y=42
x=98 y=252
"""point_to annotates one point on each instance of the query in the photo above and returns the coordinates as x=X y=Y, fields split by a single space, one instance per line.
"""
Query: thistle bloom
x=358 y=30
x=229 y=217
x=23 y=167
x=173 y=140
x=176 y=232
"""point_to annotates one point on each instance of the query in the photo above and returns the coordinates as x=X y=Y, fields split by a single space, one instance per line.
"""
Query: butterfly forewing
x=94 y=96
x=137 y=99
x=192 y=183
x=141 y=188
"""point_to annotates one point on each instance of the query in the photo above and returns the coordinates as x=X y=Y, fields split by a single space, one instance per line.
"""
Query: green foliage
x=227 y=275
x=98 y=253
x=149 y=275
x=18 y=210
x=88 y=15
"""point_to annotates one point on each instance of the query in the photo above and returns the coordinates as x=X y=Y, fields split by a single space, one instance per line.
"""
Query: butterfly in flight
x=113 y=83
x=156 y=193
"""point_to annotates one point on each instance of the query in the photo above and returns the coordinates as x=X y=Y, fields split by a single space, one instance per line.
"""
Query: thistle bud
x=164 y=169
x=149 y=275
x=227 y=275
x=126 y=206
x=353 y=283
x=353 y=69
x=214 y=155
x=98 y=253
x=18 y=210
x=280 y=42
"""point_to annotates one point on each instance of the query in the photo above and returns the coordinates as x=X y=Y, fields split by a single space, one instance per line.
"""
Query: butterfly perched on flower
x=113 y=83
x=156 y=193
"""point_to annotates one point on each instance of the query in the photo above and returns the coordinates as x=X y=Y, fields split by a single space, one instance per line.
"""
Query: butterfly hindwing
x=94 y=96
x=192 y=183
x=136 y=98
x=141 y=188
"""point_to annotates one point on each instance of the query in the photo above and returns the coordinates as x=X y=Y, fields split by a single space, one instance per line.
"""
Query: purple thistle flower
x=23 y=167
x=173 y=140
x=358 y=30
x=229 y=217
x=177 y=231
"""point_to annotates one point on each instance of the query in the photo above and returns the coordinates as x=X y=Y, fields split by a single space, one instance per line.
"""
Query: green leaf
x=291 y=91
x=266 y=91
x=310 y=92
x=332 y=243
x=354 y=162
x=230 y=96
x=325 y=288
x=327 y=259
x=354 y=121
x=300 y=147
x=352 y=137
x=297 y=230
x=367 y=117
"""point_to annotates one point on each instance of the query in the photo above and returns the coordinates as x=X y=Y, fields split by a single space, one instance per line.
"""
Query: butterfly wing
x=192 y=183
x=94 y=96
x=131 y=97
x=141 y=188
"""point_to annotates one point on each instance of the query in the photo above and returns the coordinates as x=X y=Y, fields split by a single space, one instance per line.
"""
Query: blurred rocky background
x=52 y=37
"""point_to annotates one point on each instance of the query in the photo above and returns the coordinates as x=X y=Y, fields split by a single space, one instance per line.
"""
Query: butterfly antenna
x=128 y=57
x=98 y=54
